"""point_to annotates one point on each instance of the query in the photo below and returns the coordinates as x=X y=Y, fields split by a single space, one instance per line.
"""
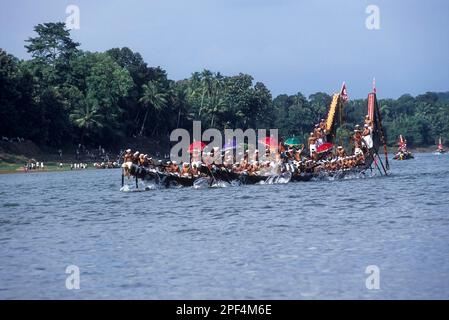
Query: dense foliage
x=64 y=95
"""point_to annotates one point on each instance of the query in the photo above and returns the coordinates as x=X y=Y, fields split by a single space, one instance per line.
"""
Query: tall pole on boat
x=382 y=135
x=382 y=164
x=373 y=154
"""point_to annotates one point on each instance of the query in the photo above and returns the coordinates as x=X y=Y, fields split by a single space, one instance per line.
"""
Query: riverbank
x=6 y=168
x=15 y=155
x=13 y=163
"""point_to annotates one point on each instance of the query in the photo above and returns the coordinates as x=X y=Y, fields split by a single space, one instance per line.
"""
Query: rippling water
x=304 y=240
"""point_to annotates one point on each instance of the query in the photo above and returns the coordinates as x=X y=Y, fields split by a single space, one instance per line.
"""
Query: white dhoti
x=358 y=151
x=368 y=141
x=312 y=148
x=127 y=165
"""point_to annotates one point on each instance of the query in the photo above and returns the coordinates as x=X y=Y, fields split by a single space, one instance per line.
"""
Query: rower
x=185 y=169
x=357 y=137
x=316 y=128
x=368 y=121
x=216 y=155
x=160 y=166
x=281 y=147
x=360 y=158
x=141 y=160
x=208 y=158
x=297 y=154
x=135 y=158
x=168 y=167
x=312 y=145
x=367 y=136
x=334 y=164
x=256 y=167
x=290 y=154
x=147 y=161
x=267 y=153
x=175 y=167
x=244 y=163
x=194 y=170
x=341 y=153
x=127 y=157
x=127 y=162
x=256 y=155
x=322 y=125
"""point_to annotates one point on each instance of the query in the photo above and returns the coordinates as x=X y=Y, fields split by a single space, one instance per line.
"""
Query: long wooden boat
x=291 y=172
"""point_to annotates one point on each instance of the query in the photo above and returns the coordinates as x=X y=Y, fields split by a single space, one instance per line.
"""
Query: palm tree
x=180 y=95
x=86 y=118
x=219 y=104
x=217 y=101
x=153 y=97
x=206 y=84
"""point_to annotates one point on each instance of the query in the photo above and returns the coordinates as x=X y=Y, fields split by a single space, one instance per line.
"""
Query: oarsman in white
x=368 y=136
x=256 y=156
x=357 y=138
x=127 y=162
x=312 y=145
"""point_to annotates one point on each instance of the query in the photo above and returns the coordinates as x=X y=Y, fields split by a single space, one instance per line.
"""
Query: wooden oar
x=372 y=155
x=212 y=175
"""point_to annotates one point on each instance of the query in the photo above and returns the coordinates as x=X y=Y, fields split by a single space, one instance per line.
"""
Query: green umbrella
x=292 y=142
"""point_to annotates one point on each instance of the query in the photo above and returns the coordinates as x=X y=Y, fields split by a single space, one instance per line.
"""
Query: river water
x=303 y=240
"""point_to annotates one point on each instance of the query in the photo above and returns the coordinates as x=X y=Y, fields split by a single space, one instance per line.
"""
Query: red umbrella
x=269 y=141
x=198 y=145
x=324 y=147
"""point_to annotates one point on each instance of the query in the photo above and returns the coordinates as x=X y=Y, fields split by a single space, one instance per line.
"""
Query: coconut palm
x=207 y=87
x=219 y=104
x=87 y=119
x=153 y=97
x=180 y=100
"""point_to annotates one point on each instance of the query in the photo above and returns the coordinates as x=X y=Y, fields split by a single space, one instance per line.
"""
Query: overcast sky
x=289 y=45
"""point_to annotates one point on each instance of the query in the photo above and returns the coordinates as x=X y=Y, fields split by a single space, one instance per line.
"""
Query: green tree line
x=63 y=95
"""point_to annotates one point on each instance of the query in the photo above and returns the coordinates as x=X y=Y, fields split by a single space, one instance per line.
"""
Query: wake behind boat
x=284 y=162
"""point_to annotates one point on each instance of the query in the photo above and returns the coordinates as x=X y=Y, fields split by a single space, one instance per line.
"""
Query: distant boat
x=402 y=153
x=440 y=149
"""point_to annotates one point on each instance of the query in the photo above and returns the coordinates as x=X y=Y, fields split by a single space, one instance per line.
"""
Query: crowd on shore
x=34 y=166
x=39 y=166
x=13 y=140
